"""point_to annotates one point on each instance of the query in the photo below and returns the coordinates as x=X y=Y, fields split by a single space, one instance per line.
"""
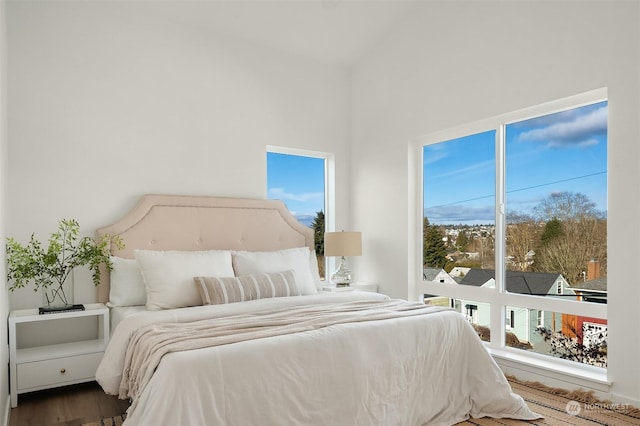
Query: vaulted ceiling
x=333 y=31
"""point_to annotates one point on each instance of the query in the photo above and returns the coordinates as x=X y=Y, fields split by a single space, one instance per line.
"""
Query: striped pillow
x=221 y=290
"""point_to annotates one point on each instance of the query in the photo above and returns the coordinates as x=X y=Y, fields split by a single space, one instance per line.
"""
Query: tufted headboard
x=179 y=222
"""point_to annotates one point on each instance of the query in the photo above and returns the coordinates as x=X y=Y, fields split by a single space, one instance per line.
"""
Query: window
x=303 y=181
x=472 y=313
x=511 y=318
x=459 y=208
x=556 y=193
x=514 y=208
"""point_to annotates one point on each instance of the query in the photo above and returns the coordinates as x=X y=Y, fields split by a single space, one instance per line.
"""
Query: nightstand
x=60 y=364
x=354 y=286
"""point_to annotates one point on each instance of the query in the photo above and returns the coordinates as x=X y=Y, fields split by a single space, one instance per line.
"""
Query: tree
x=566 y=206
x=318 y=238
x=522 y=238
x=462 y=242
x=435 y=252
x=318 y=232
x=575 y=233
x=569 y=253
x=552 y=229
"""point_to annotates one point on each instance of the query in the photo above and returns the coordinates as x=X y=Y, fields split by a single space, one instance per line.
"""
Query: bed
x=221 y=320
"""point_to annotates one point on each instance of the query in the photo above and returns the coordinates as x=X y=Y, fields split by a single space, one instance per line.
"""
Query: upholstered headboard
x=178 y=222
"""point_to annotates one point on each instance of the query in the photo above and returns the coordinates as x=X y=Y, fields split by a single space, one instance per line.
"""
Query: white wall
x=4 y=301
x=456 y=62
x=111 y=100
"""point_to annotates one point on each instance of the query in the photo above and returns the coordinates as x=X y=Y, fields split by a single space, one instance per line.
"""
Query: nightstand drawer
x=56 y=371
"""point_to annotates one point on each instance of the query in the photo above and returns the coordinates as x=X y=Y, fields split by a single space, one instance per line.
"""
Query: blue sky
x=299 y=182
x=566 y=151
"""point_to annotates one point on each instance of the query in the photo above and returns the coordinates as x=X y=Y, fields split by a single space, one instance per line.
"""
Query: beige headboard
x=178 y=222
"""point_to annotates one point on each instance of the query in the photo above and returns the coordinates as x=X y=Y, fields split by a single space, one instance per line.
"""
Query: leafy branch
x=31 y=263
x=574 y=349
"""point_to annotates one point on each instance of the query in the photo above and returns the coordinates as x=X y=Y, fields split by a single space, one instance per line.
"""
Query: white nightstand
x=354 y=286
x=44 y=367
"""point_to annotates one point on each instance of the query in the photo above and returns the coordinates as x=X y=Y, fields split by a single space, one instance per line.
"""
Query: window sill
x=552 y=372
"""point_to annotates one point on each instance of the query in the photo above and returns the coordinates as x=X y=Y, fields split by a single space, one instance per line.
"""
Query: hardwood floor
x=66 y=406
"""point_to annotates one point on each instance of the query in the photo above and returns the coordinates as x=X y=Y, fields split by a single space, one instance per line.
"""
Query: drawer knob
x=62 y=371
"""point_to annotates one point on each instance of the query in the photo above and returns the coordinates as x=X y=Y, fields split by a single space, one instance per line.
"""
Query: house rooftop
x=538 y=283
x=597 y=284
x=430 y=274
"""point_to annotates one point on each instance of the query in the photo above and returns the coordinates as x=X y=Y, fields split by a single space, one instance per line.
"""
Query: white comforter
x=424 y=370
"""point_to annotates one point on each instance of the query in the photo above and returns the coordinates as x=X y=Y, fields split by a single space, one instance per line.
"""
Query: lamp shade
x=343 y=243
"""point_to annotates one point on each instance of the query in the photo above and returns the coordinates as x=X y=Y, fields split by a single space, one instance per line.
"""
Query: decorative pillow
x=168 y=275
x=218 y=291
x=127 y=285
x=296 y=259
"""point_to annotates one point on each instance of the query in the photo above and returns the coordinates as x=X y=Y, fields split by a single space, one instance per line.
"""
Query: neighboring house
x=459 y=272
x=438 y=275
x=594 y=289
x=520 y=321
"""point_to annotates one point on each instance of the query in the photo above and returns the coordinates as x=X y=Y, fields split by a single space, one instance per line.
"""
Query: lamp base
x=342 y=276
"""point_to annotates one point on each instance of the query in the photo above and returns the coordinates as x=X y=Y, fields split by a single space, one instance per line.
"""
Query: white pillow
x=168 y=275
x=315 y=272
x=126 y=286
x=296 y=259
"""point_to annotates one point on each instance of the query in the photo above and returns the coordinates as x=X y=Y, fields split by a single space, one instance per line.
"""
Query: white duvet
x=423 y=370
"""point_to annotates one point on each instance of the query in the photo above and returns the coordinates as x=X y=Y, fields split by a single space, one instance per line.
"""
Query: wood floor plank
x=66 y=406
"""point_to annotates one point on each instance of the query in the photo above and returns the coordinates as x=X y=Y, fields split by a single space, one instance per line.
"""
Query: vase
x=58 y=297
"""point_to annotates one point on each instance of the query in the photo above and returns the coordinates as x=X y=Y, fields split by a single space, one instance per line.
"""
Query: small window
x=511 y=318
x=300 y=181
x=472 y=313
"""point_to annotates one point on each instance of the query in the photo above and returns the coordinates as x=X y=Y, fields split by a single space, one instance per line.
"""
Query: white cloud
x=460 y=214
x=548 y=120
x=434 y=153
x=581 y=131
x=462 y=173
x=281 y=194
x=305 y=219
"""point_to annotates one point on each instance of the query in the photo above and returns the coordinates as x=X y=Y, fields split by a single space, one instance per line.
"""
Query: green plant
x=31 y=263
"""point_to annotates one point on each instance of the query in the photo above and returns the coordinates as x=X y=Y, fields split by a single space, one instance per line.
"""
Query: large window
x=514 y=209
x=300 y=179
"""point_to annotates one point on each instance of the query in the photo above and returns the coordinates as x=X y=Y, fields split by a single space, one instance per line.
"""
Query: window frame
x=497 y=298
x=540 y=318
x=329 y=185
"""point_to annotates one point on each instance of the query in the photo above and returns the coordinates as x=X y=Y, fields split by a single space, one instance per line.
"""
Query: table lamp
x=342 y=244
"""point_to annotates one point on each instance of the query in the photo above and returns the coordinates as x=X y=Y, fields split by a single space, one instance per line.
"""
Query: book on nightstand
x=72 y=308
